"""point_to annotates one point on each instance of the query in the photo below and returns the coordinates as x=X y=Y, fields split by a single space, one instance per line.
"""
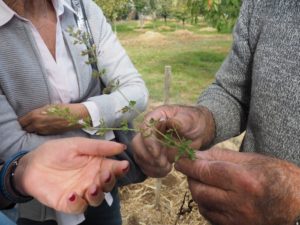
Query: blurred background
x=191 y=38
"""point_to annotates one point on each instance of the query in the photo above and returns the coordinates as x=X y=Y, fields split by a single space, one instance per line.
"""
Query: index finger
x=92 y=147
x=152 y=128
x=220 y=174
x=25 y=120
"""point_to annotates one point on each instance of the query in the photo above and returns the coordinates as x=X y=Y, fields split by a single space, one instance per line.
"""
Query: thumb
x=227 y=155
x=220 y=174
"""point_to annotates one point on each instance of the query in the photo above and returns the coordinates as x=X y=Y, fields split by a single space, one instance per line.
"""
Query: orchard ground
x=195 y=53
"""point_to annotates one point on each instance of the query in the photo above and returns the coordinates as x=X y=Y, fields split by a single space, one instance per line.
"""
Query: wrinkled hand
x=42 y=122
x=233 y=188
x=69 y=174
x=192 y=123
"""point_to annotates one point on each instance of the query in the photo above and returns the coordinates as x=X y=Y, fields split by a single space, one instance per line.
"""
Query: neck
x=30 y=8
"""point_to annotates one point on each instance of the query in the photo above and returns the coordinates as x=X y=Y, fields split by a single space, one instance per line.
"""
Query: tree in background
x=165 y=8
x=112 y=9
x=141 y=7
x=153 y=5
x=221 y=14
x=182 y=11
x=195 y=8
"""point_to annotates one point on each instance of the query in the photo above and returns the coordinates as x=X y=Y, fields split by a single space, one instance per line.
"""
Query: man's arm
x=228 y=97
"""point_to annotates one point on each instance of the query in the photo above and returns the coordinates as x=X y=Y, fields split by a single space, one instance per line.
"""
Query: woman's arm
x=14 y=138
x=119 y=68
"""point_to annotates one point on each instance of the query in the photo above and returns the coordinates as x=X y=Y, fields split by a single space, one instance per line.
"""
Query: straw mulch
x=138 y=201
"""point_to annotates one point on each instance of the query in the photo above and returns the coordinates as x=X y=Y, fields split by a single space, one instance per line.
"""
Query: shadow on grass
x=195 y=63
x=201 y=56
x=192 y=72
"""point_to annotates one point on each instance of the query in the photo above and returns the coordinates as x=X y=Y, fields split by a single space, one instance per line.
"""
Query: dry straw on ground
x=164 y=28
x=150 y=36
x=138 y=200
x=208 y=29
x=184 y=33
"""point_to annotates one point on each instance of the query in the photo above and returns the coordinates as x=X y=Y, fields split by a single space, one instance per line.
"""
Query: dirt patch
x=183 y=33
x=164 y=28
x=138 y=208
x=138 y=201
x=188 y=25
x=208 y=29
x=156 y=39
x=150 y=36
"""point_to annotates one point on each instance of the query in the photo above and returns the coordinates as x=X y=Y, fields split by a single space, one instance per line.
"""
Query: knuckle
x=203 y=170
x=252 y=185
x=35 y=113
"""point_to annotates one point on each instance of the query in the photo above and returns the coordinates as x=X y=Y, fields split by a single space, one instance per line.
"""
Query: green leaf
x=132 y=104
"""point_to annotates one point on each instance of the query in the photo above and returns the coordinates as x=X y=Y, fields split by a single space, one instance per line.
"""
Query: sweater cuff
x=227 y=125
x=8 y=191
x=4 y=203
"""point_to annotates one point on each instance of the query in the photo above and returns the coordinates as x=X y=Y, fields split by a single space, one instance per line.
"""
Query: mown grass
x=195 y=57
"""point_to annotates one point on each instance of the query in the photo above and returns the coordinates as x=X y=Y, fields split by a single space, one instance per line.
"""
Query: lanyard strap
x=83 y=25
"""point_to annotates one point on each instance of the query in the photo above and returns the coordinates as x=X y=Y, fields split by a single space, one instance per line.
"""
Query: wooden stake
x=167 y=87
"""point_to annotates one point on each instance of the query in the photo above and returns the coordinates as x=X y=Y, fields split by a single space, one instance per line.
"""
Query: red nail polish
x=108 y=179
x=72 y=198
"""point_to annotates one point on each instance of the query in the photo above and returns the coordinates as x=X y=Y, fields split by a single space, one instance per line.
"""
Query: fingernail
x=72 y=198
x=125 y=169
x=108 y=179
x=124 y=147
x=94 y=191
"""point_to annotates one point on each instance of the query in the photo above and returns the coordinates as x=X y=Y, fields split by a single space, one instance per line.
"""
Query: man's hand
x=192 y=123
x=43 y=122
x=68 y=174
x=233 y=188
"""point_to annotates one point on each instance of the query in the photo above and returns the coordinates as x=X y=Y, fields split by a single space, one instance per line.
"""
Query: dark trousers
x=101 y=215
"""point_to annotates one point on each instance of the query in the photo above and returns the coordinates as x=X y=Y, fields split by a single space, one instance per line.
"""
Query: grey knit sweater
x=257 y=89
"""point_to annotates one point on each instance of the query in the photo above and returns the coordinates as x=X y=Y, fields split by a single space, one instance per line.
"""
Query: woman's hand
x=44 y=121
x=69 y=174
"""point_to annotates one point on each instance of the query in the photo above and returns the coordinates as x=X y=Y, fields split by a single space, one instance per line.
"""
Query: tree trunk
x=165 y=18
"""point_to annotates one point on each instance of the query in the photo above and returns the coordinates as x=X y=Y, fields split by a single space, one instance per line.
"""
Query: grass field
x=195 y=54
